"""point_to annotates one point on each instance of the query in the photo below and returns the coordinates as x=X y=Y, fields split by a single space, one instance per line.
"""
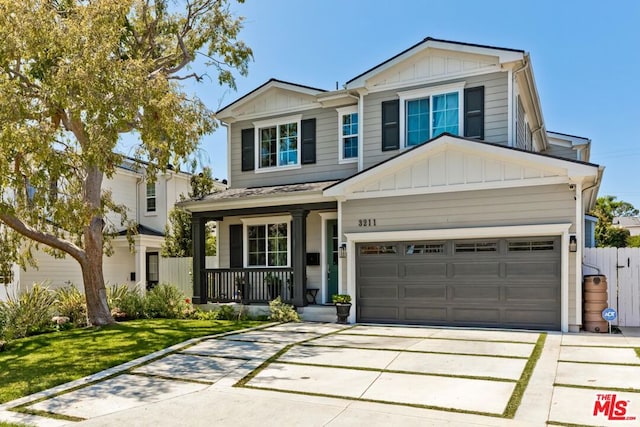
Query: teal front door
x=332 y=259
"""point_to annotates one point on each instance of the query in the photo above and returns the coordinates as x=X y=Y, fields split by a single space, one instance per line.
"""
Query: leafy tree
x=607 y=208
x=633 y=241
x=177 y=231
x=74 y=76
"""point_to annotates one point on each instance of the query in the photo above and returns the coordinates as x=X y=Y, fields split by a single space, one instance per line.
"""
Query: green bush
x=71 y=303
x=228 y=312
x=281 y=312
x=200 y=314
x=167 y=301
x=29 y=314
x=126 y=303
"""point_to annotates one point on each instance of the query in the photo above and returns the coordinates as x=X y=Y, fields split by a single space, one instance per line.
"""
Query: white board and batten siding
x=621 y=266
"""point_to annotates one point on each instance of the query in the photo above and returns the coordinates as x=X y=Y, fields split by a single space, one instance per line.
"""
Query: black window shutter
x=308 y=141
x=391 y=125
x=235 y=246
x=474 y=112
x=248 y=150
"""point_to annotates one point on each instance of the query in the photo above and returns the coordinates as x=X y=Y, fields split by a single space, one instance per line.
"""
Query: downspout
x=579 y=251
x=511 y=98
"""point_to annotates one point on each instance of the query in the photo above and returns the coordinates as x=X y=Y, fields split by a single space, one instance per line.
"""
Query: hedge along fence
x=179 y=272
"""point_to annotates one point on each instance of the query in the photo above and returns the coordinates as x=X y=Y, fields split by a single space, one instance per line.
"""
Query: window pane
x=417 y=121
x=288 y=144
x=268 y=147
x=350 y=147
x=445 y=114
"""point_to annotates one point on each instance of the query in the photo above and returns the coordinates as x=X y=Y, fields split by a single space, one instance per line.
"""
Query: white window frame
x=155 y=197
x=265 y=220
x=344 y=111
x=271 y=123
x=429 y=92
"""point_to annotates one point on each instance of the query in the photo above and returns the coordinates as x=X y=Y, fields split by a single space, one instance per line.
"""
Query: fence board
x=621 y=266
x=177 y=271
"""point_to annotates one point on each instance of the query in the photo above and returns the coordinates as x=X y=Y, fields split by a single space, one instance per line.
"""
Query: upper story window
x=278 y=143
x=427 y=113
x=151 y=196
x=348 y=133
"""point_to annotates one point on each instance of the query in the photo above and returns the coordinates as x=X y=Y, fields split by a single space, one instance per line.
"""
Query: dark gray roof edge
x=464 y=139
x=271 y=80
x=427 y=39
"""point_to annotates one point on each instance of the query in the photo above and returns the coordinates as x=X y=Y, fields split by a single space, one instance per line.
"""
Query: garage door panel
x=376 y=313
x=418 y=291
x=475 y=315
x=429 y=314
x=532 y=294
x=492 y=282
x=380 y=269
x=475 y=293
x=432 y=270
x=476 y=269
x=380 y=292
x=532 y=269
x=523 y=316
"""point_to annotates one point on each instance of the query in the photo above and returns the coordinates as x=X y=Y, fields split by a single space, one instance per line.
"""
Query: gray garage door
x=511 y=283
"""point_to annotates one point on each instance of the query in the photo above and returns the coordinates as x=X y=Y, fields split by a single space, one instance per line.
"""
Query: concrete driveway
x=327 y=374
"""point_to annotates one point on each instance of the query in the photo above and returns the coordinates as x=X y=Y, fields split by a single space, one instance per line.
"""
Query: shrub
x=70 y=302
x=281 y=312
x=341 y=299
x=125 y=303
x=167 y=301
x=228 y=312
x=29 y=314
x=200 y=314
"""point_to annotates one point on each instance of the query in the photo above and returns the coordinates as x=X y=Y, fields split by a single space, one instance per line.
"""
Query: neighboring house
x=148 y=205
x=631 y=223
x=428 y=189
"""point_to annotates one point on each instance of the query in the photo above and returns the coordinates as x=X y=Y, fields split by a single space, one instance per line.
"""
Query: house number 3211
x=366 y=223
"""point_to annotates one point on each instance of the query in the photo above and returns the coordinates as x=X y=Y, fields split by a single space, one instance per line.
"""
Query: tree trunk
x=98 y=312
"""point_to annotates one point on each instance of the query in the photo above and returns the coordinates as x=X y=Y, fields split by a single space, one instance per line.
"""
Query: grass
x=523 y=382
x=6 y=424
x=40 y=362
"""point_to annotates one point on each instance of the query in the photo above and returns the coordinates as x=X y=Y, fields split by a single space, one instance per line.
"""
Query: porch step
x=318 y=313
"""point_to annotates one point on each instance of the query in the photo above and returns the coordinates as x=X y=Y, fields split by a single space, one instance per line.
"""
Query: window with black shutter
x=248 y=150
x=235 y=246
x=390 y=125
x=474 y=112
x=308 y=141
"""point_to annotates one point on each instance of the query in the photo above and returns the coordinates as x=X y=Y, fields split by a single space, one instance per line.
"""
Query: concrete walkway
x=327 y=374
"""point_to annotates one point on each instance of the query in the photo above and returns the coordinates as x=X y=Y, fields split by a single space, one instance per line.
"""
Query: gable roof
x=271 y=83
x=505 y=54
x=451 y=163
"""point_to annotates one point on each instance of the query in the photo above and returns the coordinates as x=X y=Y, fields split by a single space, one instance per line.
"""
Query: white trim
x=154 y=212
x=324 y=289
x=228 y=128
x=429 y=92
x=297 y=119
x=510 y=92
x=264 y=220
x=361 y=132
x=351 y=109
x=561 y=229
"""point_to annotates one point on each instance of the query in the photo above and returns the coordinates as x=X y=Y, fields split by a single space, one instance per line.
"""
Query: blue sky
x=585 y=55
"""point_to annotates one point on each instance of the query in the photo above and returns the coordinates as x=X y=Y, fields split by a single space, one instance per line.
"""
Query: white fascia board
x=290 y=110
x=256 y=201
x=566 y=140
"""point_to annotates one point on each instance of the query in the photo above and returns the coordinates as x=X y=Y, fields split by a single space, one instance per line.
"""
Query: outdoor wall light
x=342 y=250
x=573 y=243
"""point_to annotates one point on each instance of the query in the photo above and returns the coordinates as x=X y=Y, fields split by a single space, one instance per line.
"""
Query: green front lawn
x=40 y=362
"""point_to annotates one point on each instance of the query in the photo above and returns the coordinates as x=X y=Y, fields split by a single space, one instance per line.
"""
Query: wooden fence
x=621 y=266
x=178 y=272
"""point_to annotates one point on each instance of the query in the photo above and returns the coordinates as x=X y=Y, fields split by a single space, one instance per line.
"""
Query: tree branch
x=45 y=238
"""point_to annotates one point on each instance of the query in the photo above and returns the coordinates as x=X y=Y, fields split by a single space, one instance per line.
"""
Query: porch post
x=199 y=282
x=299 y=255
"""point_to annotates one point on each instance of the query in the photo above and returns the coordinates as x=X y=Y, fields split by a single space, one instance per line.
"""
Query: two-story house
x=428 y=188
x=148 y=204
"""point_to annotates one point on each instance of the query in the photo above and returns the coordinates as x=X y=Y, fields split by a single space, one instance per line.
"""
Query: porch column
x=299 y=255
x=199 y=283
x=141 y=264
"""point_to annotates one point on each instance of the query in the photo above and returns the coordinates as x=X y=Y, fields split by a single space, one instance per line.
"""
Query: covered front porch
x=285 y=246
